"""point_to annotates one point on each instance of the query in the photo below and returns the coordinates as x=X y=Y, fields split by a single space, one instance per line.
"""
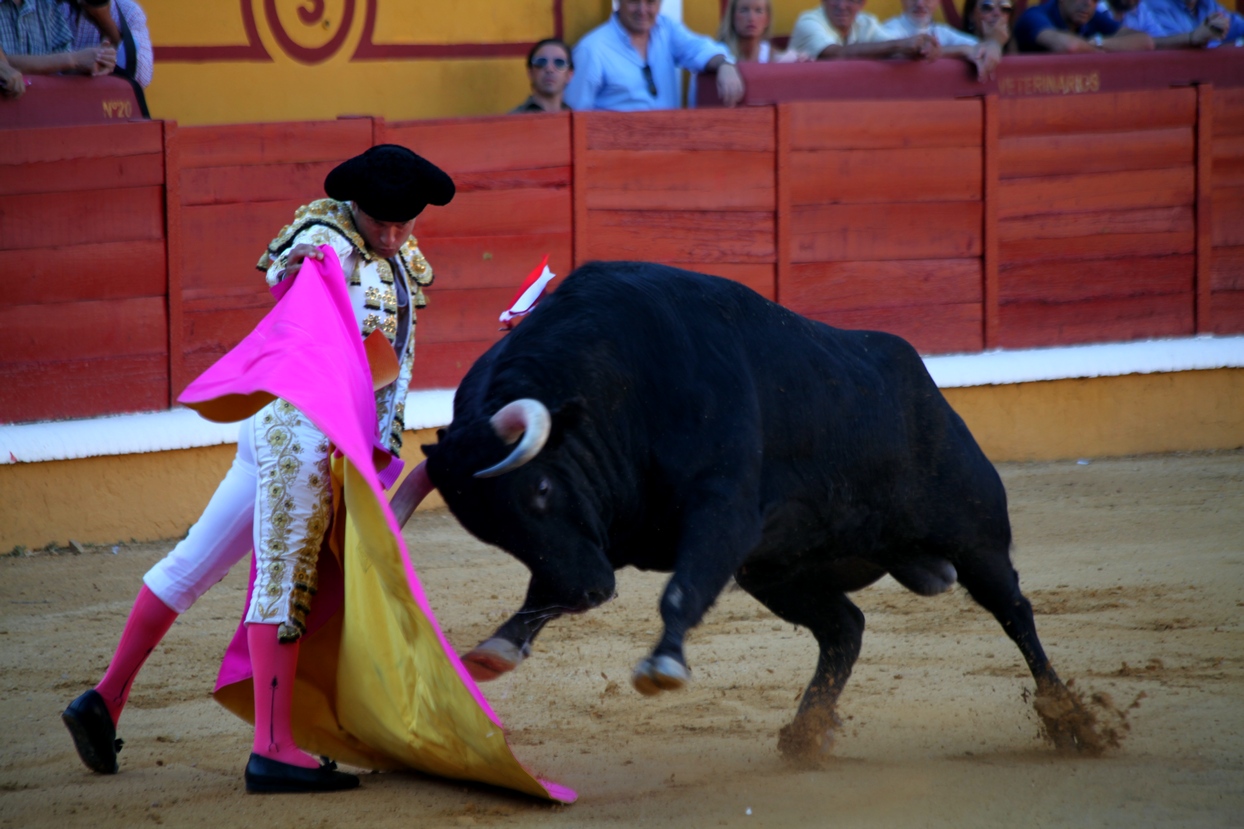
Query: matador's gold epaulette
x=417 y=268
x=326 y=212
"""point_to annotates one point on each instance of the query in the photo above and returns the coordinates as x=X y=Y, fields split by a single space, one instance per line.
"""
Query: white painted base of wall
x=184 y=429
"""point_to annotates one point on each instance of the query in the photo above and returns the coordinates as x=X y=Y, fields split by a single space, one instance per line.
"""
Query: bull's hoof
x=491 y=659
x=655 y=674
x=809 y=739
x=1075 y=725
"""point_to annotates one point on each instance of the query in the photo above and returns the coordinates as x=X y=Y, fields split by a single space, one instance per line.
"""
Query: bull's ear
x=566 y=417
x=440 y=433
x=440 y=436
x=430 y=449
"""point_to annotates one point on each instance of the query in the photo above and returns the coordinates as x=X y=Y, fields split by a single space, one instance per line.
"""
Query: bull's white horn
x=527 y=417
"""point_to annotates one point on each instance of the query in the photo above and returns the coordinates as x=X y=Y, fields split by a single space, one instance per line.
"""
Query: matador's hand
x=293 y=262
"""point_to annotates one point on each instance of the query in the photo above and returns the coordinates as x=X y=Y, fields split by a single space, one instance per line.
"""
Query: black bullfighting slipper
x=93 y=732
x=267 y=776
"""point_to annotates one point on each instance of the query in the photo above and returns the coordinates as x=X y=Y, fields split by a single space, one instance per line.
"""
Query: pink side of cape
x=307 y=351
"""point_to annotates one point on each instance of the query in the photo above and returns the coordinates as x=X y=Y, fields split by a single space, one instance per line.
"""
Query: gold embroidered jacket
x=384 y=292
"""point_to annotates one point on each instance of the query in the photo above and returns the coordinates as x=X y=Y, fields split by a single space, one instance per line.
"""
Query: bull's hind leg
x=817 y=603
x=994 y=584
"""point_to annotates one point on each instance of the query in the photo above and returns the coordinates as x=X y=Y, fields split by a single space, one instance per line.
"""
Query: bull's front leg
x=715 y=540
x=511 y=643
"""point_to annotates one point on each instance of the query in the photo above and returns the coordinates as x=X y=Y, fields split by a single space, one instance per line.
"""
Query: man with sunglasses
x=549 y=68
x=631 y=62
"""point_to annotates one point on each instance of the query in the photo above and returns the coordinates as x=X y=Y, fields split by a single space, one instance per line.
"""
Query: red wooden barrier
x=237 y=186
x=513 y=206
x=70 y=100
x=991 y=220
x=885 y=222
x=83 y=326
x=689 y=189
x=1096 y=234
x=1225 y=173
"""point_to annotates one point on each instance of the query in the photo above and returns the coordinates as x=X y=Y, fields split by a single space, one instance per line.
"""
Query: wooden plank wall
x=886 y=218
x=693 y=189
x=128 y=250
x=1227 y=224
x=238 y=186
x=1097 y=226
x=83 y=327
x=512 y=207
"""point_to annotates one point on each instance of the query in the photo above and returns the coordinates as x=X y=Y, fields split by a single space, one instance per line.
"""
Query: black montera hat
x=389 y=183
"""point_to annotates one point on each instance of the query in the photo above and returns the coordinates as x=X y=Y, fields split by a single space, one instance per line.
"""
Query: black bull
x=678 y=422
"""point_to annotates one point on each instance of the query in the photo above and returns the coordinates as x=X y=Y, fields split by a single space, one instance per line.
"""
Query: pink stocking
x=149 y=620
x=274 y=665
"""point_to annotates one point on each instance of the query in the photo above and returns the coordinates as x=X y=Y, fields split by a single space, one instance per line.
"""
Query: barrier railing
x=128 y=250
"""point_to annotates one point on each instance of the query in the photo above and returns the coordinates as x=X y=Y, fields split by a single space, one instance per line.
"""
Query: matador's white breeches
x=277 y=499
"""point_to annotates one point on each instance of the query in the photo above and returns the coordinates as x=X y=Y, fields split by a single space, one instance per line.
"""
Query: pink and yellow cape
x=378 y=684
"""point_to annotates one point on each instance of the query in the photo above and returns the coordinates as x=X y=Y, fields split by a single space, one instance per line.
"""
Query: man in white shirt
x=917 y=19
x=839 y=29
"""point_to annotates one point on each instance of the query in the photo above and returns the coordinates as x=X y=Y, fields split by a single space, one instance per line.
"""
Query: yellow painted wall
x=215 y=90
x=145 y=496
x=158 y=495
x=1106 y=417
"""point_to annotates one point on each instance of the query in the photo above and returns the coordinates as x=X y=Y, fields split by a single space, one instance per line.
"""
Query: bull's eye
x=543 y=490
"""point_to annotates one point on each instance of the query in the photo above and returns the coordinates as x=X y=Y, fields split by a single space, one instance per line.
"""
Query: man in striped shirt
x=35 y=38
x=109 y=22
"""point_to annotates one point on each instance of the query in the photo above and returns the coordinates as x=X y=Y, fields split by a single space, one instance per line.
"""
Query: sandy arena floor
x=1135 y=568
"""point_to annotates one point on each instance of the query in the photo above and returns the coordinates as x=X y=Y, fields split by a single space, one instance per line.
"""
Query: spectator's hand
x=12 y=84
x=293 y=262
x=986 y=56
x=791 y=56
x=105 y=60
x=920 y=47
x=729 y=84
x=1213 y=27
x=95 y=60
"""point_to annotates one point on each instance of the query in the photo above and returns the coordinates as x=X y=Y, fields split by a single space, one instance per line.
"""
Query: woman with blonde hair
x=745 y=28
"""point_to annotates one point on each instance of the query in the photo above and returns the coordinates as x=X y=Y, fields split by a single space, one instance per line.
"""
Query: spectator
x=12 y=84
x=36 y=39
x=993 y=19
x=917 y=19
x=1117 y=9
x=745 y=27
x=1185 y=24
x=1075 y=26
x=550 y=66
x=631 y=62
x=121 y=23
x=839 y=29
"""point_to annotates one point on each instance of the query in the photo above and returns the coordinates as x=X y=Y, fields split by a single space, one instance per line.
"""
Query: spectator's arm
x=729 y=81
x=580 y=94
x=985 y=56
x=1127 y=40
x=917 y=47
x=101 y=17
x=144 y=61
x=95 y=60
x=1063 y=43
x=1195 y=39
x=12 y=84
